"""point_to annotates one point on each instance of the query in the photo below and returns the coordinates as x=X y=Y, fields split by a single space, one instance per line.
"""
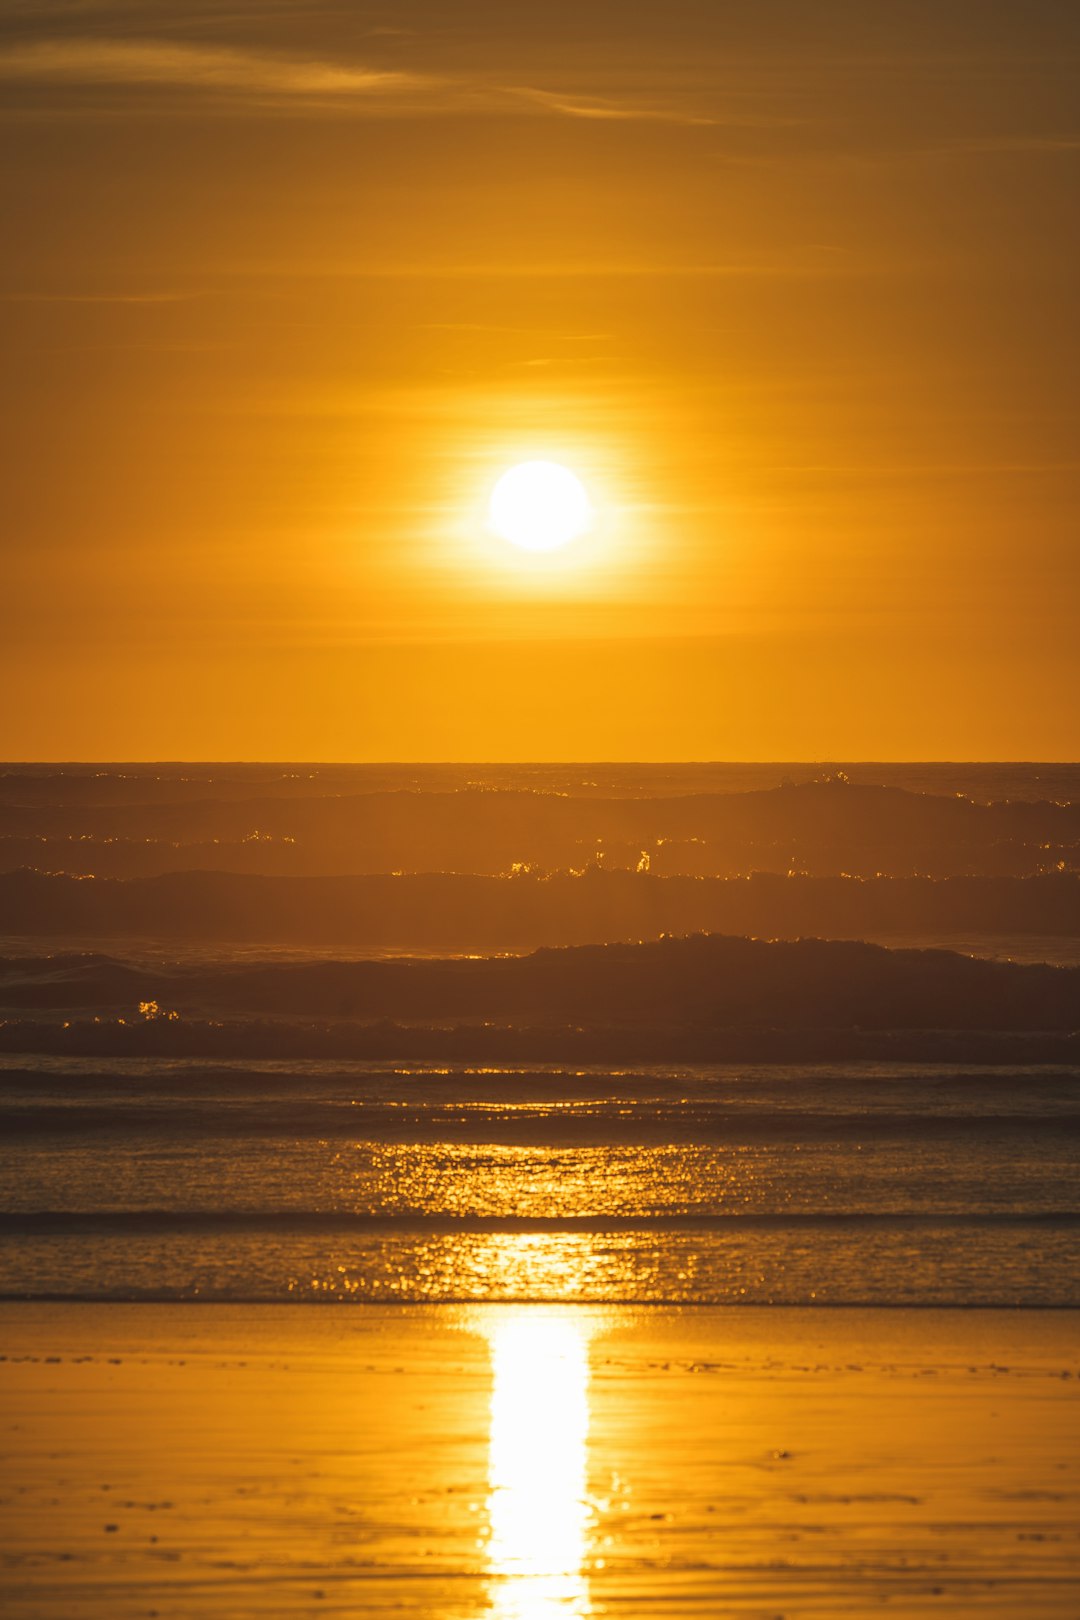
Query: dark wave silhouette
x=704 y=980
x=166 y=1221
x=458 y=912
x=823 y=828
x=697 y=998
x=519 y=1128
x=110 y=783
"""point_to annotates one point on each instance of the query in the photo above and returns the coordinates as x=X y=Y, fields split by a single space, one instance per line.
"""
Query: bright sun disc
x=539 y=506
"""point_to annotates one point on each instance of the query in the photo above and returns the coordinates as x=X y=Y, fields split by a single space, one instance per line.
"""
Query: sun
x=539 y=506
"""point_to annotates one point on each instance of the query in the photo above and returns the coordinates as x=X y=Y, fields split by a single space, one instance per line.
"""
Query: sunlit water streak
x=538 y=1510
x=856 y=1183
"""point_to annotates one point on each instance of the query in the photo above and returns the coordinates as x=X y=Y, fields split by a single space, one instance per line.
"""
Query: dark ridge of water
x=514 y=1126
x=189 y=1101
x=481 y=1042
x=165 y=1221
x=461 y=913
x=110 y=782
x=804 y=981
x=822 y=828
x=794 y=1087
x=700 y=998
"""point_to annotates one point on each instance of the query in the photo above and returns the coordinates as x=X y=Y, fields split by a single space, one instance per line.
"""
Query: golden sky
x=790 y=287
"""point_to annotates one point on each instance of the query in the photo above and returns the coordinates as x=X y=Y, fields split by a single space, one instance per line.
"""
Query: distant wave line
x=670 y=1127
x=76 y=1223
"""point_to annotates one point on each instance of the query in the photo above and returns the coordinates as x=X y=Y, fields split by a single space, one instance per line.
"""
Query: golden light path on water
x=538 y=1509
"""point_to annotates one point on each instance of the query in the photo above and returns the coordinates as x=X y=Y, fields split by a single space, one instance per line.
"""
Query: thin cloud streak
x=775 y=269
x=613 y=111
x=253 y=80
x=101 y=298
x=192 y=67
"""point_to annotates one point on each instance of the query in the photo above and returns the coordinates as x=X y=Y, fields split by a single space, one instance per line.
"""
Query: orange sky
x=790 y=286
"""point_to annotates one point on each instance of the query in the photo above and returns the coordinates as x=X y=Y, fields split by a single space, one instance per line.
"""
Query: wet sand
x=527 y=1462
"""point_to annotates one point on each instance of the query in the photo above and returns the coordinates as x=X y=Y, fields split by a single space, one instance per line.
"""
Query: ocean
x=767 y=1184
x=353 y=1058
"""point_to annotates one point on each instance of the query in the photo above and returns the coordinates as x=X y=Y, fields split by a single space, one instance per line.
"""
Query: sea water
x=829 y=1184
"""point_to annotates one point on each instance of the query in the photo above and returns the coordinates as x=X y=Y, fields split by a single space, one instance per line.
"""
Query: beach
x=177 y=1460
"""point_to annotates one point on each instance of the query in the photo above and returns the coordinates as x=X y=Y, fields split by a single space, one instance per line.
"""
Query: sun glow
x=539 y=506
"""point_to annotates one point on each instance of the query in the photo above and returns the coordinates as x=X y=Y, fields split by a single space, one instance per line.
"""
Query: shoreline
x=530 y=1461
x=536 y=1302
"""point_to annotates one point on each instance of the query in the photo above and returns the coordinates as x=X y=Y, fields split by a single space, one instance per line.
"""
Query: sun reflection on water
x=537 y=1506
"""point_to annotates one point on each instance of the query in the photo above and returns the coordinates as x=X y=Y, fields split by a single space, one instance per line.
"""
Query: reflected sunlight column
x=537 y=1504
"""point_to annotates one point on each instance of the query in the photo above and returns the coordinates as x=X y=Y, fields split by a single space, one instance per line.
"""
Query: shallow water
x=849 y=1183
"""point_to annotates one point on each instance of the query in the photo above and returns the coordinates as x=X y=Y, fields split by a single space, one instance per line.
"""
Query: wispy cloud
x=240 y=79
x=193 y=67
x=609 y=109
x=795 y=266
x=99 y=297
x=516 y=331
